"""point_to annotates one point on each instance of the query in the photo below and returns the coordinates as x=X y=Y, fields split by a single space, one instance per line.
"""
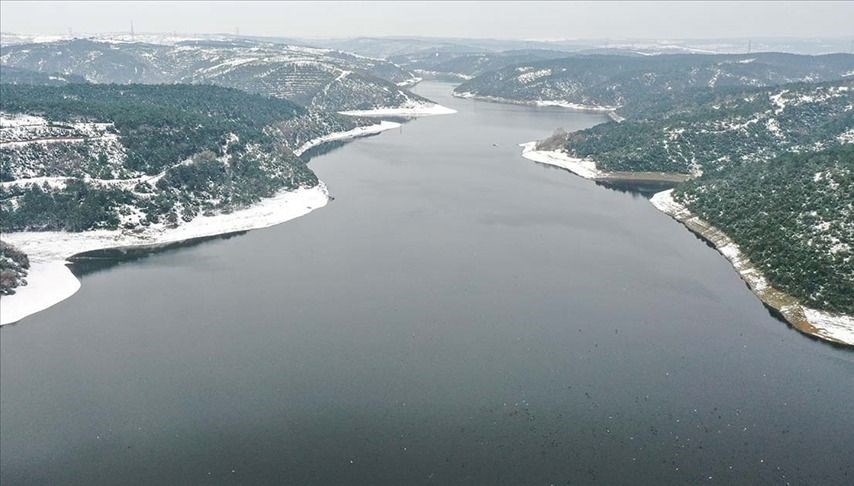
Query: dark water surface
x=457 y=315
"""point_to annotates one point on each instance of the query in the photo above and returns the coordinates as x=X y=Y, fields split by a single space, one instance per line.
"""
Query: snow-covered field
x=50 y=281
x=414 y=109
x=831 y=327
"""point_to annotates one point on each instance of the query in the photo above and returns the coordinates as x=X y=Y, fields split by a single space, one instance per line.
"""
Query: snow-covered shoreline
x=824 y=325
x=587 y=168
x=408 y=83
x=354 y=133
x=560 y=103
x=415 y=109
x=49 y=280
x=835 y=328
x=443 y=75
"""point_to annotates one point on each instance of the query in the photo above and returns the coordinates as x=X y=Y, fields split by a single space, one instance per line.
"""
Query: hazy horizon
x=536 y=21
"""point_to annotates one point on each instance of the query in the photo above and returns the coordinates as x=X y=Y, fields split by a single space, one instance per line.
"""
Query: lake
x=457 y=315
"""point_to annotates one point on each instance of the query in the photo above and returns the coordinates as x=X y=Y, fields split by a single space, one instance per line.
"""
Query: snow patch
x=774 y=127
x=13 y=120
x=847 y=136
x=778 y=101
x=534 y=75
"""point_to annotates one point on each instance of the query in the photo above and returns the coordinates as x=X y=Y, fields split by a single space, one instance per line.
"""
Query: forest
x=701 y=131
x=793 y=216
x=188 y=149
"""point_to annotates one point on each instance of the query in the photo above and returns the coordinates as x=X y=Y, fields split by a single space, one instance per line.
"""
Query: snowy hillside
x=317 y=78
x=630 y=84
x=706 y=132
x=793 y=216
x=88 y=156
x=464 y=66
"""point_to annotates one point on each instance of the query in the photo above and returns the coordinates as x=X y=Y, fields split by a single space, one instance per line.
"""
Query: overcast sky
x=522 y=20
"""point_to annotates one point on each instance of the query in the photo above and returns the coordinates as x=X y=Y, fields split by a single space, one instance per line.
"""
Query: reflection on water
x=640 y=188
x=327 y=147
x=93 y=261
x=646 y=189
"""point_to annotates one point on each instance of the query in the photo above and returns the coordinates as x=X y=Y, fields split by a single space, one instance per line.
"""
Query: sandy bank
x=831 y=327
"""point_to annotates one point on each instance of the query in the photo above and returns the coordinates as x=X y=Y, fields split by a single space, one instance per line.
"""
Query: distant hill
x=13 y=75
x=388 y=47
x=631 y=84
x=706 y=131
x=392 y=47
x=468 y=65
x=317 y=78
